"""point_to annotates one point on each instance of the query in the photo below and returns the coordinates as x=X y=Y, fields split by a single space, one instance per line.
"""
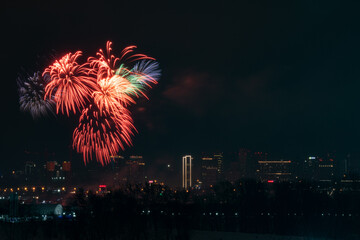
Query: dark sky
x=281 y=77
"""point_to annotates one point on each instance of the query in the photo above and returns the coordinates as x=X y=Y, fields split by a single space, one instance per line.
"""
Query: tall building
x=326 y=168
x=186 y=171
x=139 y=173
x=135 y=169
x=117 y=162
x=270 y=171
x=310 y=167
x=219 y=159
x=209 y=171
x=212 y=169
x=257 y=157
x=117 y=165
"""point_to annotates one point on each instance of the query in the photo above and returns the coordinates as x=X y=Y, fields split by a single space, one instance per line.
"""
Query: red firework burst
x=71 y=84
x=105 y=64
x=102 y=133
x=111 y=95
x=106 y=126
x=101 y=88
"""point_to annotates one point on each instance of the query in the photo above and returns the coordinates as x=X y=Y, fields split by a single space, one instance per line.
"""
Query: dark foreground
x=245 y=211
x=155 y=226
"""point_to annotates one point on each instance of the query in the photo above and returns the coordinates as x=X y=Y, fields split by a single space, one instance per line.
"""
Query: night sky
x=280 y=77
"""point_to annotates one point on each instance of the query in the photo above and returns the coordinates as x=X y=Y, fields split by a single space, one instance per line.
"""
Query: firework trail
x=32 y=92
x=71 y=84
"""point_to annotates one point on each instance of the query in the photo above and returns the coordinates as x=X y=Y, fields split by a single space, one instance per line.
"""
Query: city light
x=186 y=171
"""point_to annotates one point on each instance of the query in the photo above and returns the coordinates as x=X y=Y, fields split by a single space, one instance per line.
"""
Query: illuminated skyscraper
x=186 y=171
x=209 y=171
x=219 y=159
x=326 y=166
x=117 y=162
x=212 y=169
x=278 y=170
x=310 y=167
x=255 y=166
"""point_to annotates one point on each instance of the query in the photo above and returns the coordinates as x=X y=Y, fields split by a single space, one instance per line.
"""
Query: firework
x=32 y=92
x=132 y=82
x=101 y=89
x=71 y=84
x=106 y=125
x=111 y=95
x=148 y=70
x=105 y=64
x=143 y=74
x=102 y=133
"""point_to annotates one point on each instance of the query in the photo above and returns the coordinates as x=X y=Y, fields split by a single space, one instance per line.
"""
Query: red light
x=102 y=186
x=151 y=181
x=270 y=181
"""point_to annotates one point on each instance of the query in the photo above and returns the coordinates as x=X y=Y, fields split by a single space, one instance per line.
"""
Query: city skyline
x=207 y=169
